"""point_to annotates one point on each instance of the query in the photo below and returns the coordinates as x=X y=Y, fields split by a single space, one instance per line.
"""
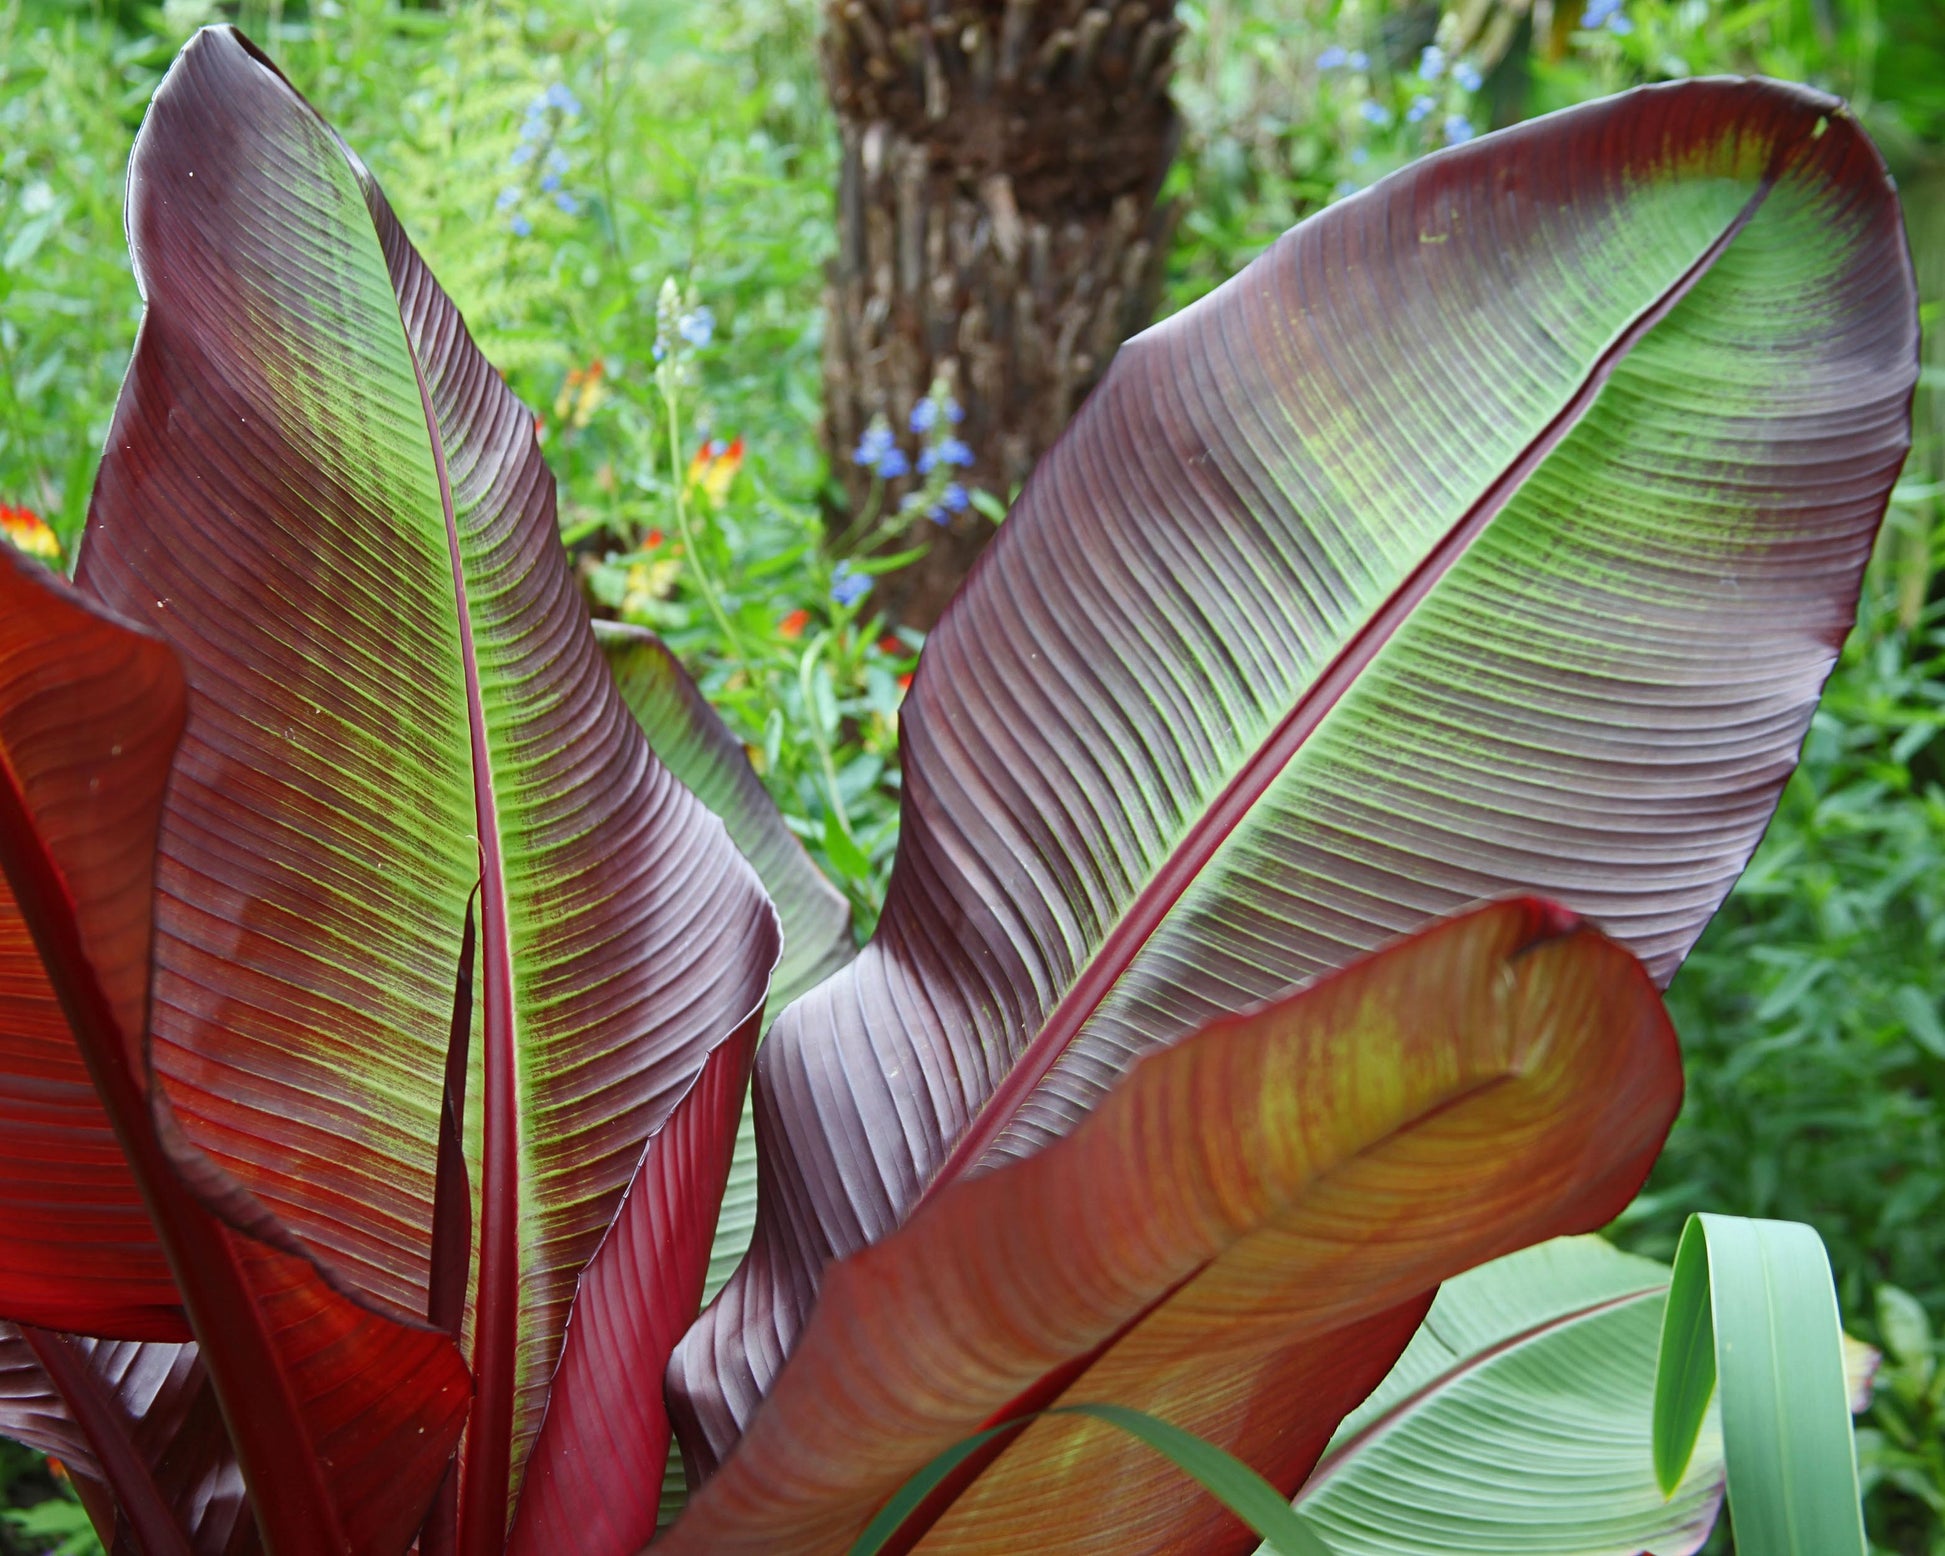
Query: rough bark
x=998 y=227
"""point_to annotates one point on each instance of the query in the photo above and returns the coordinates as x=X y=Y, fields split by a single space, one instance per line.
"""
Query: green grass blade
x=1224 y=1476
x=921 y=1486
x=1685 y=1369
x=1764 y=1290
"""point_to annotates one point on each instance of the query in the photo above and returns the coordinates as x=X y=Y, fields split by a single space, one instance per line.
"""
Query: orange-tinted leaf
x=1235 y=1241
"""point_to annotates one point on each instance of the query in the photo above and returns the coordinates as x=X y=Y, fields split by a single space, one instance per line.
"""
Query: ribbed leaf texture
x=1517 y=1423
x=76 y=1246
x=153 y=1431
x=1240 y=1240
x=325 y=498
x=1493 y=531
x=691 y=740
x=342 y=1418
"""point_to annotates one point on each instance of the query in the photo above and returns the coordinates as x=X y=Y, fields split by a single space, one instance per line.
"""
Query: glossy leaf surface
x=1494 y=531
x=341 y=1418
x=1517 y=1423
x=155 y=1408
x=76 y=1246
x=1240 y=1241
x=321 y=493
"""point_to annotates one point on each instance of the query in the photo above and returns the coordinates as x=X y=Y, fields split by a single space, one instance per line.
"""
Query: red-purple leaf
x=1239 y=1240
x=1494 y=531
x=341 y=1418
x=327 y=500
x=153 y=1439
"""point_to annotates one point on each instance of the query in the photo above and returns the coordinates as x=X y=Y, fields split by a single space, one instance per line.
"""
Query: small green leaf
x=1756 y=1297
x=1906 y=1329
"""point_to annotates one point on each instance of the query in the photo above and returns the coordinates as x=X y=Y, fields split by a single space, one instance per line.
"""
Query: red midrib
x=486 y=1486
x=1334 y=1460
x=1199 y=844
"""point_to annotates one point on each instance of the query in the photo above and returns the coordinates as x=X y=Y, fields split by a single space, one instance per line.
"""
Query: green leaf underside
x=1752 y=1315
x=349 y=534
x=1517 y=1423
x=1671 y=336
x=1225 y=1477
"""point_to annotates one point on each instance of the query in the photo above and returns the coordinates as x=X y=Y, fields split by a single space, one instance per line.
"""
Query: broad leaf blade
x=585 y=1488
x=1769 y=1315
x=1330 y=1158
x=154 y=1404
x=341 y=1418
x=1518 y=1421
x=1494 y=531
x=325 y=497
x=694 y=744
x=76 y=1247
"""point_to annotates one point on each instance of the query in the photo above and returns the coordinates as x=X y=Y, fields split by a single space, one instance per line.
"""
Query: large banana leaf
x=692 y=741
x=342 y=1419
x=139 y=1428
x=1494 y=531
x=1239 y=1241
x=1518 y=1423
x=321 y=494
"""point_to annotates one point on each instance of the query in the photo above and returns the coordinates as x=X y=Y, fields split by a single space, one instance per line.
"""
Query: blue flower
x=1360 y=155
x=1619 y=25
x=1359 y=60
x=521 y=226
x=848 y=587
x=557 y=161
x=1467 y=75
x=550 y=182
x=522 y=154
x=1597 y=12
x=697 y=328
x=928 y=460
x=567 y=202
x=1458 y=129
x=1420 y=108
x=873 y=446
x=936 y=513
x=1345 y=186
x=893 y=464
x=954 y=498
x=509 y=198
x=1374 y=112
x=925 y=415
x=1333 y=58
x=1431 y=62
x=954 y=412
x=559 y=97
x=954 y=452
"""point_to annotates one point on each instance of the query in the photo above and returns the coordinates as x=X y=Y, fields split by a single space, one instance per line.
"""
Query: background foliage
x=562 y=163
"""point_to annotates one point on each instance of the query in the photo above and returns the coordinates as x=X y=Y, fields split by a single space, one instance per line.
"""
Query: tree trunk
x=998 y=228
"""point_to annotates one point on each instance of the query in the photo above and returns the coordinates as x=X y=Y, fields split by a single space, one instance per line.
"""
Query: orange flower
x=890 y=645
x=792 y=626
x=714 y=467
x=652 y=539
x=581 y=394
x=28 y=531
x=905 y=681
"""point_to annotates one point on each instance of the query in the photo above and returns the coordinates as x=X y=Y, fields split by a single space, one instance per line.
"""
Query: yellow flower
x=29 y=532
x=714 y=467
